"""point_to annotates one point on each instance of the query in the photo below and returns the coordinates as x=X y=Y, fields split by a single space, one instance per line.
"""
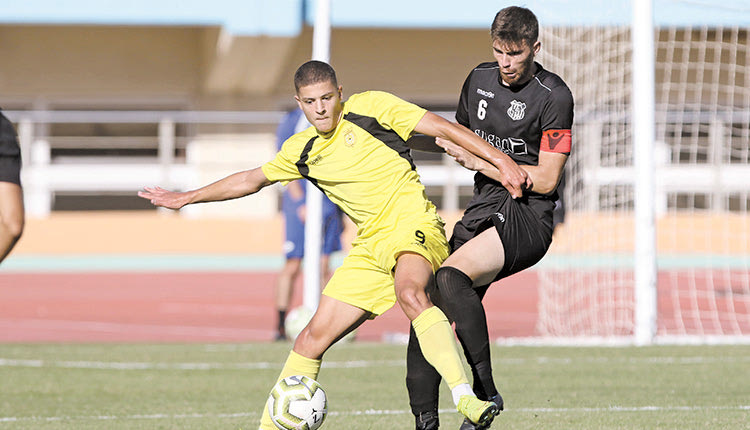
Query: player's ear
x=536 y=47
x=299 y=102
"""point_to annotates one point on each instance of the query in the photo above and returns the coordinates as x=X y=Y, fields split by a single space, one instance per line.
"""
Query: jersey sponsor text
x=509 y=145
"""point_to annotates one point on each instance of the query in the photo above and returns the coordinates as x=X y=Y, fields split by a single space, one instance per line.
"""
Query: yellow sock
x=295 y=365
x=438 y=345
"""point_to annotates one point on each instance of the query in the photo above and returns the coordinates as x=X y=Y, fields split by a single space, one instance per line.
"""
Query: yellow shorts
x=365 y=278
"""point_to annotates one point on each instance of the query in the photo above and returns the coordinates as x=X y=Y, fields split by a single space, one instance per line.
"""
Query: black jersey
x=10 y=152
x=521 y=121
x=514 y=119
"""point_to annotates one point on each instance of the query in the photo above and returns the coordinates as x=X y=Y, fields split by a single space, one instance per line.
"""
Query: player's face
x=321 y=104
x=516 y=60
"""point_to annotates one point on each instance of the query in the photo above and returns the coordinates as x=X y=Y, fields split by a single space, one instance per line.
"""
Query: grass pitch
x=224 y=386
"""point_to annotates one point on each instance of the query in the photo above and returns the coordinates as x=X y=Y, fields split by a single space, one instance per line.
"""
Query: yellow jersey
x=364 y=165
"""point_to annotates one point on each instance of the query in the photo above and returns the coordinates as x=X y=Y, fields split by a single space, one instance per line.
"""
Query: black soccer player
x=515 y=105
x=11 y=193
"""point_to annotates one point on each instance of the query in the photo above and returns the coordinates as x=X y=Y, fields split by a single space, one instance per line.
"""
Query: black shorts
x=526 y=231
x=10 y=152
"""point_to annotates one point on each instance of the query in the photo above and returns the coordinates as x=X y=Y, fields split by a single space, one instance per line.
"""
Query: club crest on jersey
x=349 y=137
x=517 y=110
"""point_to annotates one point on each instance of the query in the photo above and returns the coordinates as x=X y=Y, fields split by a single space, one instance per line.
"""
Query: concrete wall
x=99 y=63
x=203 y=68
x=73 y=233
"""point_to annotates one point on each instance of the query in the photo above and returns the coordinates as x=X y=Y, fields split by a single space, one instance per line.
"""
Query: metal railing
x=45 y=174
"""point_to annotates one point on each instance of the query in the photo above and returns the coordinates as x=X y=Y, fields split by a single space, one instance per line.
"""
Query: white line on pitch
x=376 y=412
x=15 y=362
x=11 y=362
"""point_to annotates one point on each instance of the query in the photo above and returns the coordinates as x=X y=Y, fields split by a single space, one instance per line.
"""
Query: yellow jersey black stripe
x=364 y=165
x=304 y=170
x=389 y=137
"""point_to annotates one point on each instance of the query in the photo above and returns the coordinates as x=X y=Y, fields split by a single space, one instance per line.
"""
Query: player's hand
x=462 y=156
x=515 y=179
x=504 y=170
x=164 y=198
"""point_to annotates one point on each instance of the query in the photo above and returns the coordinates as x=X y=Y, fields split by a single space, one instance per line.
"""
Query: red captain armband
x=556 y=141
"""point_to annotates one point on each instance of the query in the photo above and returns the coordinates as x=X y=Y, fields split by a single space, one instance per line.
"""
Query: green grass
x=224 y=387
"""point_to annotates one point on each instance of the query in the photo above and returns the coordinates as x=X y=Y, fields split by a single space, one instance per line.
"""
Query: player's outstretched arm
x=513 y=177
x=461 y=155
x=233 y=186
x=467 y=159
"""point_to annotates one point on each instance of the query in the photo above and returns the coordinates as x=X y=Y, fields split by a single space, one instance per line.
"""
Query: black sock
x=463 y=306
x=282 y=318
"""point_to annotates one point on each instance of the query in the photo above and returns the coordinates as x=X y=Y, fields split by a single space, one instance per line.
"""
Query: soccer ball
x=297 y=403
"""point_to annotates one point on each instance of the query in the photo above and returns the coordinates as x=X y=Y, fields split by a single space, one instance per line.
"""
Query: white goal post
x=689 y=196
x=321 y=51
x=655 y=246
x=644 y=279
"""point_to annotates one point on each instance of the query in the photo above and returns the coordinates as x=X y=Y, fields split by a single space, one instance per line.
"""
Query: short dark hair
x=313 y=72
x=515 y=24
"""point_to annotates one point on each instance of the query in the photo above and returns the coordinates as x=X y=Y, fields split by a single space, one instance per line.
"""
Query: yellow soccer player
x=356 y=153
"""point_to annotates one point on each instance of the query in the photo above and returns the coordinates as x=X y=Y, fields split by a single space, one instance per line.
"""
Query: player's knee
x=452 y=282
x=413 y=298
x=434 y=294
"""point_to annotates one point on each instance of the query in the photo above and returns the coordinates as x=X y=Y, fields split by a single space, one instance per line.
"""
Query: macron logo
x=488 y=94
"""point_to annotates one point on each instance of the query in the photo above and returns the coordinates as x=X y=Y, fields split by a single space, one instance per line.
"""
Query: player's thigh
x=481 y=258
x=419 y=251
x=11 y=204
x=412 y=271
x=412 y=275
x=331 y=321
x=362 y=281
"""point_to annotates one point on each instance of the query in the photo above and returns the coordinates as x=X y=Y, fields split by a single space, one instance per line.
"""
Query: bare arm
x=233 y=186
x=461 y=155
x=546 y=175
x=514 y=178
x=467 y=159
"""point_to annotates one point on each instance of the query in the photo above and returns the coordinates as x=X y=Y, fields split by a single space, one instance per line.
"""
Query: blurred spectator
x=293 y=207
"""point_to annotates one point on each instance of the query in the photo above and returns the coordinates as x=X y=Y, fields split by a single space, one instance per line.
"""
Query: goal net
x=702 y=190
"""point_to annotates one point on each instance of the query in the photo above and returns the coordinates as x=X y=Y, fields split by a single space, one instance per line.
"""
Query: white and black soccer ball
x=297 y=403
